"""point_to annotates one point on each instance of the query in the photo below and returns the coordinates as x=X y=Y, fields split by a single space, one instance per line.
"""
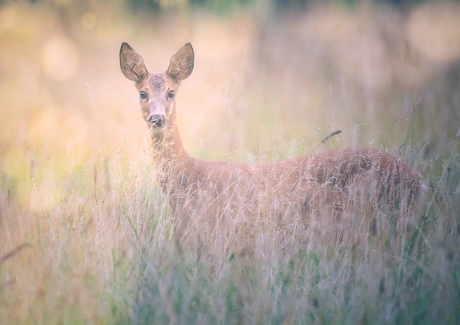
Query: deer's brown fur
x=199 y=188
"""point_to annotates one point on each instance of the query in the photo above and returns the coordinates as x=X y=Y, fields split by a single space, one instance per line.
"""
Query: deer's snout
x=156 y=120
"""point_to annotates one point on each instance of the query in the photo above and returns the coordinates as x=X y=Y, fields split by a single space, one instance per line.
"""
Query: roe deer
x=196 y=188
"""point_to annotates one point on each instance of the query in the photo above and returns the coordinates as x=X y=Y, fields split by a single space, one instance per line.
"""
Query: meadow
x=85 y=232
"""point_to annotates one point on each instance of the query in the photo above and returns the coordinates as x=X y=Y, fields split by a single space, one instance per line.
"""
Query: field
x=85 y=232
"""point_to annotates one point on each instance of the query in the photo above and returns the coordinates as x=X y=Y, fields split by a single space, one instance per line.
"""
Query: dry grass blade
x=15 y=251
x=330 y=135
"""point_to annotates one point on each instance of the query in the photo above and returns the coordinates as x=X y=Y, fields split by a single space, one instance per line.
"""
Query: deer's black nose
x=156 y=120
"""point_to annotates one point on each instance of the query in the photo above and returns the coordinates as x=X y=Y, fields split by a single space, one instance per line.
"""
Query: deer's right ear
x=131 y=63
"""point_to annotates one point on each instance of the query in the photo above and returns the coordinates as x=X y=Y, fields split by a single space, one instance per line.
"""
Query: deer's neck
x=168 y=153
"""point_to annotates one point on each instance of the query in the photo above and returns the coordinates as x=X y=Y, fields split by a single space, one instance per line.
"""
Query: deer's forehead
x=157 y=83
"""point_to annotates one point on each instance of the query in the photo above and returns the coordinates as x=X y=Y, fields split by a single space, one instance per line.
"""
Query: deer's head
x=157 y=90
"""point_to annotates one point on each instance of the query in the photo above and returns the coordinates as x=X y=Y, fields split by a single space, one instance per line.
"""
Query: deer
x=202 y=189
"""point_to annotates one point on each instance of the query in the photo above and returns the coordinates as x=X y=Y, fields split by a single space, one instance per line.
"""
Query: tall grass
x=113 y=257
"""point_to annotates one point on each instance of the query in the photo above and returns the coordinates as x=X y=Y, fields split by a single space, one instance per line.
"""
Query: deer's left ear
x=132 y=64
x=181 y=64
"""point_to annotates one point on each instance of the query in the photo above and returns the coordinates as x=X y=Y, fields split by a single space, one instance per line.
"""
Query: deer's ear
x=181 y=64
x=131 y=63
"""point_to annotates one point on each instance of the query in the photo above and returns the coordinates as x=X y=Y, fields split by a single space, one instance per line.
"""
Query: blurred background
x=271 y=79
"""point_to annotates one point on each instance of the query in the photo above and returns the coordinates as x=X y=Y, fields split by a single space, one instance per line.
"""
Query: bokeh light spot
x=60 y=58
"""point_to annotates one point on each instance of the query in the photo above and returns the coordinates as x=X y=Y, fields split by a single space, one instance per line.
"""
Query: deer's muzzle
x=156 y=121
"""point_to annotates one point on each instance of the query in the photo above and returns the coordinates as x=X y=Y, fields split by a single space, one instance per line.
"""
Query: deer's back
x=296 y=185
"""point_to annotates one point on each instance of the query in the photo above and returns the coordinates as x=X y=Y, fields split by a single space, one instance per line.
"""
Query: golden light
x=60 y=58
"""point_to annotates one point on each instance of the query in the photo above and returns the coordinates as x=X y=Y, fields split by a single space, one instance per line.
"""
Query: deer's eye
x=143 y=95
x=171 y=94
